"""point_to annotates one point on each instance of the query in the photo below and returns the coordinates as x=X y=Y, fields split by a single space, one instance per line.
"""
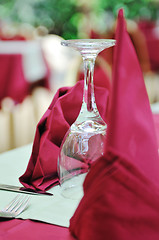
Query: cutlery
x=23 y=190
x=15 y=207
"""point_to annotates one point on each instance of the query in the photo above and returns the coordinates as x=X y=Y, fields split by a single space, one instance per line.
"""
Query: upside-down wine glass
x=83 y=142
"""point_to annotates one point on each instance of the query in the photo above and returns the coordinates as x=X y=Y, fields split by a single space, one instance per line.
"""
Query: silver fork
x=15 y=207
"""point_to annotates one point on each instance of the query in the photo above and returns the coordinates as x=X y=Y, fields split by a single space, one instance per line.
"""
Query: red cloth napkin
x=41 y=172
x=156 y=122
x=12 y=81
x=121 y=194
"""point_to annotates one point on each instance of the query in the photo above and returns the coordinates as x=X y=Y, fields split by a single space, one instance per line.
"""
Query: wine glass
x=83 y=142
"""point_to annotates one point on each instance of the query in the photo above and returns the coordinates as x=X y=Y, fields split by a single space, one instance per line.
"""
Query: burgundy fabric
x=14 y=38
x=41 y=172
x=17 y=229
x=156 y=122
x=12 y=81
x=121 y=194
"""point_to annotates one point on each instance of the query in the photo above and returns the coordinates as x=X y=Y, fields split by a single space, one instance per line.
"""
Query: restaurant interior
x=36 y=74
x=31 y=33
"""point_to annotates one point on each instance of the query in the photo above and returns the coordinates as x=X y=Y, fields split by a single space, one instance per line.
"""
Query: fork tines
x=17 y=205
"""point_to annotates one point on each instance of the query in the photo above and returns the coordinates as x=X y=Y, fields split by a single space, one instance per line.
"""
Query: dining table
x=121 y=197
x=47 y=216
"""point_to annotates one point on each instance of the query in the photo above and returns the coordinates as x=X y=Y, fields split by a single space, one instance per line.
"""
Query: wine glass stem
x=88 y=93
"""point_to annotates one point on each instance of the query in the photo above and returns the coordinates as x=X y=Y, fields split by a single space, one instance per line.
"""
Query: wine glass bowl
x=83 y=143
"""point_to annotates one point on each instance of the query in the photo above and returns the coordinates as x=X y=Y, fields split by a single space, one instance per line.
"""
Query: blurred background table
x=34 y=64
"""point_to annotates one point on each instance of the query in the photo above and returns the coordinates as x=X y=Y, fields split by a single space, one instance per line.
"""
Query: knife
x=23 y=190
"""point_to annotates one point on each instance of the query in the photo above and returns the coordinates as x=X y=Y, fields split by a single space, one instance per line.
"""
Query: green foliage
x=132 y=9
x=56 y=15
x=62 y=17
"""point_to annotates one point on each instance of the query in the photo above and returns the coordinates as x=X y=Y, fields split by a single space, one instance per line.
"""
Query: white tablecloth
x=51 y=209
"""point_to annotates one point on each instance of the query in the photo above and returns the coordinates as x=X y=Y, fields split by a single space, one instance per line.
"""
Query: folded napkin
x=121 y=194
x=41 y=172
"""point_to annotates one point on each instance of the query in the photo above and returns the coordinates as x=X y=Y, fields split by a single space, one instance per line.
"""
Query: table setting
x=102 y=143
